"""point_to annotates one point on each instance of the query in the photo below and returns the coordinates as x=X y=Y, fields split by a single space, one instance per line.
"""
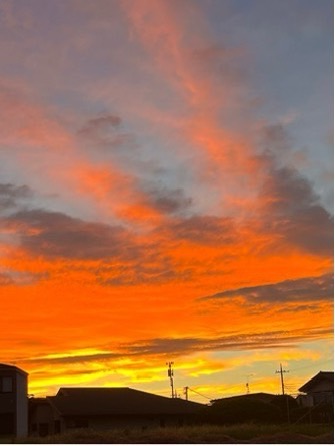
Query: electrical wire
x=312 y=365
x=204 y=396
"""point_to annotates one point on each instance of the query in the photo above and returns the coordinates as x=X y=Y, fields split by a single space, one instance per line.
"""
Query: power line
x=291 y=389
x=189 y=388
x=312 y=365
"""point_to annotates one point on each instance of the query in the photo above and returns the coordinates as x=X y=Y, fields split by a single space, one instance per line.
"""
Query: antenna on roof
x=247 y=383
x=170 y=375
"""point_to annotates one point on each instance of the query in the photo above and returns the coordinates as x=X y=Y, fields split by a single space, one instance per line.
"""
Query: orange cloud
x=111 y=264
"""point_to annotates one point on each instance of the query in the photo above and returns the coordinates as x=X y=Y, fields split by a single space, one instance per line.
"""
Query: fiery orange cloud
x=158 y=219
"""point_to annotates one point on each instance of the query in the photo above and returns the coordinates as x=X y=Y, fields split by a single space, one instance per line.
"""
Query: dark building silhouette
x=261 y=396
x=319 y=389
x=105 y=408
x=13 y=401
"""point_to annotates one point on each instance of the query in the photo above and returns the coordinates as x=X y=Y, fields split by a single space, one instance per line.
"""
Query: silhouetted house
x=319 y=389
x=42 y=420
x=13 y=401
x=107 y=408
x=261 y=396
x=248 y=408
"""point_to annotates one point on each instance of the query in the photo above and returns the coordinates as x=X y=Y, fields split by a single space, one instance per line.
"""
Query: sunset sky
x=166 y=193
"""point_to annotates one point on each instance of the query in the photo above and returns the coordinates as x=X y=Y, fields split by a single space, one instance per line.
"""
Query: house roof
x=12 y=368
x=261 y=396
x=321 y=376
x=118 y=401
x=34 y=403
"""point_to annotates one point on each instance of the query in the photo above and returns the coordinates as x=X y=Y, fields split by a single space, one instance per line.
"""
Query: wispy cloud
x=11 y=195
x=105 y=132
x=55 y=234
x=300 y=290
x=186 y=346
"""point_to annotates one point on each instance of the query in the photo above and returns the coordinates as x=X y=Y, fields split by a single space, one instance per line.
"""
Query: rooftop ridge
x=12 y=367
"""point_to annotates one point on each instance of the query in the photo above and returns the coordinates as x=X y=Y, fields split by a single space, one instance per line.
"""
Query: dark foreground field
x=237 y=434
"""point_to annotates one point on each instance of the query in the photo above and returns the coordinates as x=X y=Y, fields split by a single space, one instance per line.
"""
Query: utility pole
x=281 y=371
x=170 y=375
x=186 y=392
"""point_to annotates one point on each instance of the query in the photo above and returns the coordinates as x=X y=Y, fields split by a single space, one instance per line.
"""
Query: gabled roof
x=118 y=401
x=319 y=377
x=12 y=368
x=261 y=396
